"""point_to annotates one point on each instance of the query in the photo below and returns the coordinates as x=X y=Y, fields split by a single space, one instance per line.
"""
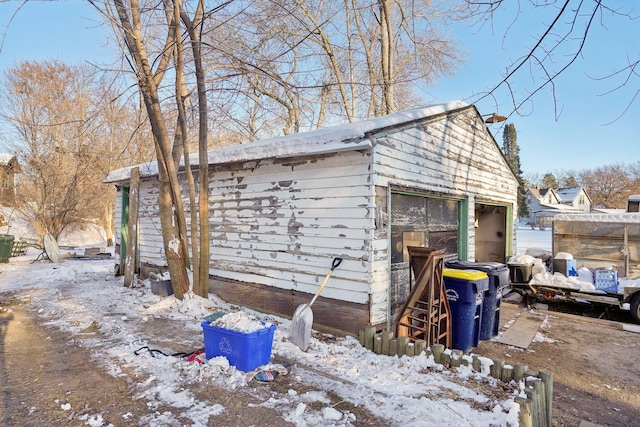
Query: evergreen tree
x=511 y=152
x=570 y=182
x=550 y=181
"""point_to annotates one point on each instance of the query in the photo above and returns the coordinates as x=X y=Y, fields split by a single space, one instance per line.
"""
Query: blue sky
x=587 y=133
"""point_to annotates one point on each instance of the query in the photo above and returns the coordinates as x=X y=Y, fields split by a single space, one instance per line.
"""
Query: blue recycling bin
x=498 y=281
x=465 y=291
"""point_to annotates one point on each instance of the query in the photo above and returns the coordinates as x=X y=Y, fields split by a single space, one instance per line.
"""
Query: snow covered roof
x=541 y=193
x=6 y=158
x=347 y=137
x=568 y=194
x=557 y=209
x=620 y=217
x=607 y=211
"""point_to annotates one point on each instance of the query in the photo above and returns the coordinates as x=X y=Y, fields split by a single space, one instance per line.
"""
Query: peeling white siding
x=450 y=155
x=282 y=223
x=150 y=232
x=117 y=235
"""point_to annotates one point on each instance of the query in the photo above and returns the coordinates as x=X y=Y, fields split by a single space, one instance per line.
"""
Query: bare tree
x=563 y=41
x=65 y=133
x=267 y=67
x=608 y=186
x=533 y=179
x=153 y=42
x=281 y=66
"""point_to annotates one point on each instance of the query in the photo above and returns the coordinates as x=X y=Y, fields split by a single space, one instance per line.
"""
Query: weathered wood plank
x=522 y=331
x=599 y=243
x=594 y=228
x=132 y=228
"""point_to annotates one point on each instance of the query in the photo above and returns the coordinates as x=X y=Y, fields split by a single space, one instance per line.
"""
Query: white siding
x=451 y=155
x=117 y=235
x=149 y=230
x=282 y=223
x=454 y=156
x=118 y=213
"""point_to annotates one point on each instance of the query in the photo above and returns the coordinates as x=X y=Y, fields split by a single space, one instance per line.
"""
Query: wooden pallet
x=426 y=314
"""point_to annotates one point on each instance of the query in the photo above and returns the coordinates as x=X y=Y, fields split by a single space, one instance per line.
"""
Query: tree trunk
x=203 y=167
x=182 y=133
x=173 y=239
x=386 y=56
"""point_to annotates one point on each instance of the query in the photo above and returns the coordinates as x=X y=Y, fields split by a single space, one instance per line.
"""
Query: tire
x=635 y=307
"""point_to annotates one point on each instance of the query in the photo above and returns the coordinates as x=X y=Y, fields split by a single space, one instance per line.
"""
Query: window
x=418 y=220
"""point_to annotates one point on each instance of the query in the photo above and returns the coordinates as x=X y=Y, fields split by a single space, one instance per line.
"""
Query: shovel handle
x=334 y=265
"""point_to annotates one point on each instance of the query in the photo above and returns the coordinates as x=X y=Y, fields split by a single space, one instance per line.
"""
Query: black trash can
x=465 y=292
x=498 y=281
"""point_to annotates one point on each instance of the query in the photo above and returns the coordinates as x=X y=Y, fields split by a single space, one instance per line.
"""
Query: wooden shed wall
x=281 y=223
x=454 y=156
x=450 y=156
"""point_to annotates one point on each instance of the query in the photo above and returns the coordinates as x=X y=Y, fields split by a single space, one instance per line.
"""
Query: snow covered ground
x=74 y=294
x=528 y=238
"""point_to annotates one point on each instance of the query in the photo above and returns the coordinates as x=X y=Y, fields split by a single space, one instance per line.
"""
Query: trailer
x=595 y=241
x=629 y=299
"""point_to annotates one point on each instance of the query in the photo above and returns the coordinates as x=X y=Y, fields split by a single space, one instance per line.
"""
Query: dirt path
x=596 y=366
x=49 y=379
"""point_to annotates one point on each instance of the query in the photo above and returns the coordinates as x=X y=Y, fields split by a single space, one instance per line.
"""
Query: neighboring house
x=537 y=199
x=9 y=167
x=577 y=198
x=545 y=203
x=281 y=209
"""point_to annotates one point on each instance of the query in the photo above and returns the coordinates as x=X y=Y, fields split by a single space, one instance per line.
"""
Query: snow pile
x=560 y=280
x=78 y=295
x=538 y=253
x=523 y=259
x=622 y=217
x=585 y=275
x=563 y=255
x=74 y=235
x=239 y=322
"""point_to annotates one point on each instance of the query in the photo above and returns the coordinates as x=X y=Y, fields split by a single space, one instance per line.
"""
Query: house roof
x=568 y=194
x=540 y=193
x=557 y=208
x=5 y=159
x=347 y=137
x=11 y=161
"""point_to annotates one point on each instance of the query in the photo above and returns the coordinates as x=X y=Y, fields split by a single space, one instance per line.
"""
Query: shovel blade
x=301 y=326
